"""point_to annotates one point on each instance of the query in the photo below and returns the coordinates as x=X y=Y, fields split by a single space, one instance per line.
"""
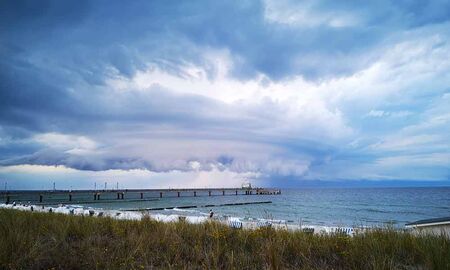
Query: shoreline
x=44 y=240
x=233 y=222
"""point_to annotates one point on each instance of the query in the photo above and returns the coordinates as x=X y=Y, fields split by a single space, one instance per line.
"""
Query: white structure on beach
x=436 y=226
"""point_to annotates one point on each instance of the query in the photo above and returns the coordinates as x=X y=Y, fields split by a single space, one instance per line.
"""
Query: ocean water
x=308 y=206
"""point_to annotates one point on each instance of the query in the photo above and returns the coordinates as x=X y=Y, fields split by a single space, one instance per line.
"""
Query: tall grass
x=56 y=241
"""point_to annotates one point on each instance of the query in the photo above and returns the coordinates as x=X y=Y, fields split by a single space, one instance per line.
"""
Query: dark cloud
x=57 y=57
x=87 y=37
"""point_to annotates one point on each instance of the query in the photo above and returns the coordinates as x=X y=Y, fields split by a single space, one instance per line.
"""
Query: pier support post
x=209 y=193
x=118 y=195
x=195 y=193
x=121 y=195
x=178 y=193
x=142 y=195
x=223 y=192
x=40 y=197
x=7 y=199
x=70 y=197
x=160 y=194
x=236 y=192
x=95 y=196
x=98 y=196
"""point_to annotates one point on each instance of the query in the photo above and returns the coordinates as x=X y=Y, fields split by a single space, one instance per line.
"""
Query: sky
x=217 y=93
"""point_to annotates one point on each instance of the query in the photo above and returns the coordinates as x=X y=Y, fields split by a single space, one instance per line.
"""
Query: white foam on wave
x=75 y=206
x=187 y=211
x=190 y=213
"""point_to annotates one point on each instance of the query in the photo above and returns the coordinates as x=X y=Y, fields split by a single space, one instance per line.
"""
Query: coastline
x=234 y=222
x=44 y=240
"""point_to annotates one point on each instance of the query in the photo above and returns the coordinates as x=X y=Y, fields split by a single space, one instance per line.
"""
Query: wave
x=373 y=210
x=75 y=206
x=187 y=211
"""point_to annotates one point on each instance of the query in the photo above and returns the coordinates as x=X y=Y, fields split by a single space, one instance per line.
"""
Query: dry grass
x=55 y=241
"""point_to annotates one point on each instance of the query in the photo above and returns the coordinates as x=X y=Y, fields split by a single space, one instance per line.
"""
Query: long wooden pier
x=113 y=195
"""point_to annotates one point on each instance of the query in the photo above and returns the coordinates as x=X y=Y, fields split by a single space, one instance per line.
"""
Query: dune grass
x=55 y=241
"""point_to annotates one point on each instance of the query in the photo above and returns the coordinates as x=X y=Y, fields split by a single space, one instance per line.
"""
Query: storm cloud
x=293 y=90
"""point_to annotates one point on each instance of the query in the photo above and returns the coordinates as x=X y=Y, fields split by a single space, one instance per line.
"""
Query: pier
x=122 y=195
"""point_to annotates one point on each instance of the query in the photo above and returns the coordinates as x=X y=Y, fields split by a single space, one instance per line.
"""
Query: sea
x=309 y=206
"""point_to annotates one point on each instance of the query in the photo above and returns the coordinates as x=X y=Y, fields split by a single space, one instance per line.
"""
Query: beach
x=38 y=240
x=234 y=222
x=317 y=207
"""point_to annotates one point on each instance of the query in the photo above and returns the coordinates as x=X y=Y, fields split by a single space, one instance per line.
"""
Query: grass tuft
x=56 y=241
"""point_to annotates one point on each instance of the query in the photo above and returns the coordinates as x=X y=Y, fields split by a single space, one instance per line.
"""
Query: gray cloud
x=56 y=61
